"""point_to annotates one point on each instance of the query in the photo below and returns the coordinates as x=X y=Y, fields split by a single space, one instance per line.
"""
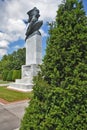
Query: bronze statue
x=34 y=24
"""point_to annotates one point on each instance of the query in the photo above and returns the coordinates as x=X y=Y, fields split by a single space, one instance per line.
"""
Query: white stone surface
x=29 y=70
x=21 y=87
x=33 y=59
x=34 y=50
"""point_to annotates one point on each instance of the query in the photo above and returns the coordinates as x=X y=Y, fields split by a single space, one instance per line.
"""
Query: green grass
x=12 y=95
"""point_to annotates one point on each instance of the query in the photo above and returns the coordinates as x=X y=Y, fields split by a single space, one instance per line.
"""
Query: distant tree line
x=10 y=65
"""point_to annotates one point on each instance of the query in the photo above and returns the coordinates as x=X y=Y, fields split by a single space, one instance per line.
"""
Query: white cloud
x=3 y=52
x=43 y=33
x=17 y=47
x=15 y=25
x=12 y=14
x=4 y=44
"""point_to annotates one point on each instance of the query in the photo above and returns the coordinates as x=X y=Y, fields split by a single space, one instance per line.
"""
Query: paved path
x=11 y=115
x=4 y=85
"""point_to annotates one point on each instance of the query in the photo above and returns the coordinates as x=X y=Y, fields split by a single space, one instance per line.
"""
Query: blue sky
x=13 y=28
x=85 y=5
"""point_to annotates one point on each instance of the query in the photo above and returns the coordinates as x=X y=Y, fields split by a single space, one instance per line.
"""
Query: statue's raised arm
x=34 y=24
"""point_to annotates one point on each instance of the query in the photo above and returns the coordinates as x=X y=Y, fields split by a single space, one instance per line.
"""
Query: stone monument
x=33 y=52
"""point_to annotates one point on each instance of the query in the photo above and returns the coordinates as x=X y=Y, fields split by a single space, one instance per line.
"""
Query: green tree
x=18 y=58
x=60 y=91
x=13 y=61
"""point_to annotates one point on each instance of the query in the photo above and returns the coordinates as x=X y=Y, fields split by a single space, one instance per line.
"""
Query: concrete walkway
x=4 y=85
x=11 y=115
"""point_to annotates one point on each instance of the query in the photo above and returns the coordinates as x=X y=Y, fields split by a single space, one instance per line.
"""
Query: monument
x=33 y=52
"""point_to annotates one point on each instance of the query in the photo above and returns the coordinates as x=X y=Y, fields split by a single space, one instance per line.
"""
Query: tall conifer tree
x=60 y=91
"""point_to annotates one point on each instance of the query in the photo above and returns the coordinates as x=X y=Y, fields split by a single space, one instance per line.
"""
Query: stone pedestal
x=33 y=59
x=34 y=50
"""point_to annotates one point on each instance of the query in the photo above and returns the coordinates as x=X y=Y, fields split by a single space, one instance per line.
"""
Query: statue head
x=34 y=13
x=34 y=23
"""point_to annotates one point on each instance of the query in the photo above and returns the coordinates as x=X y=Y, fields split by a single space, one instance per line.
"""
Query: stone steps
x=21 y=86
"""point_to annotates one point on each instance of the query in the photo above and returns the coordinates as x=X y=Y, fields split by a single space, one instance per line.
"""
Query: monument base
x=26 y=83
x=33 y=59
x=21 y=87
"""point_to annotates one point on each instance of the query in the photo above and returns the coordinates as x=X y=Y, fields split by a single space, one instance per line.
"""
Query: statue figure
x=34 y=24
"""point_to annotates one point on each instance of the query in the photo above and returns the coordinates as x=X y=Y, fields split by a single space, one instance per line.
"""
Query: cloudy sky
x=12 y=17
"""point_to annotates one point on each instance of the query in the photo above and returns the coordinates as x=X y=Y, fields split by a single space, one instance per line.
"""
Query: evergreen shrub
x=9 y=76
x=5 y=74
x=16 y=74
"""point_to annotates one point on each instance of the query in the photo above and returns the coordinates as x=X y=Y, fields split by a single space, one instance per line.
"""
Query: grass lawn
x=12 y=95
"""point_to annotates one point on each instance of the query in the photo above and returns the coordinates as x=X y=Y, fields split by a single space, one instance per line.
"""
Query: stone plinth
x=34 y=50
x=33 y=59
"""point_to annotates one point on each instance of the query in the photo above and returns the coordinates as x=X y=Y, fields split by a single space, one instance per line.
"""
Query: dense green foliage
x=12 y=62
x=9 y=76
x=5 y=74
x=60 y=90
x=16 y=74
x=0 y=76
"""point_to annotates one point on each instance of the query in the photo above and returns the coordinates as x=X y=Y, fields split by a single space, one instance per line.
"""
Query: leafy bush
x=55 y=108
x=37 y=107
x=9 y=76
x=0 y=76
x=5 y=74
x=16 y=74
x=19 y=74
